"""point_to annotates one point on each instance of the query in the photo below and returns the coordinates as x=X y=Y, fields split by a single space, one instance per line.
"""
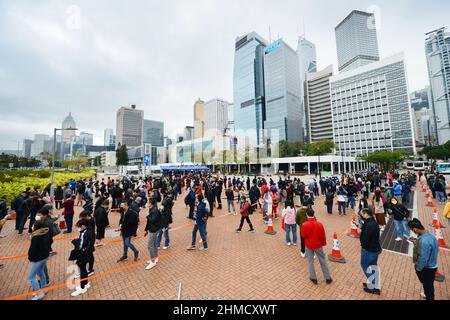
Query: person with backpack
x=200 y=225
x=85 y=251
x=439 y=188
x=166 y=221
x=152 y=229
x=401 y=216
x=69 y=212
x=218 y=192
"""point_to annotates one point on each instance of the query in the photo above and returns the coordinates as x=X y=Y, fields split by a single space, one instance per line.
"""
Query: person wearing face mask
x=38 y=254
x=370 y=250
x=425 y=257
x=85 y=252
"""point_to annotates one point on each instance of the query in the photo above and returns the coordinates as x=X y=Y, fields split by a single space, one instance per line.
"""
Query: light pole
x=52 y=186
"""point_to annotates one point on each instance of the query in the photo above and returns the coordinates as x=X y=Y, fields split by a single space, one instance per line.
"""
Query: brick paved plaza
x=236 y=266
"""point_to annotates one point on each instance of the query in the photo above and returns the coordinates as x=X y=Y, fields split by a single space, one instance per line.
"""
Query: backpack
x=14 y=203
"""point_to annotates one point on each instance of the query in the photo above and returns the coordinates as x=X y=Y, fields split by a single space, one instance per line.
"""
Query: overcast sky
x=163 y=55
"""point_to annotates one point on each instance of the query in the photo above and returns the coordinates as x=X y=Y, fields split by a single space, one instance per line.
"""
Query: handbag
x=55 y=228
x=75 y=253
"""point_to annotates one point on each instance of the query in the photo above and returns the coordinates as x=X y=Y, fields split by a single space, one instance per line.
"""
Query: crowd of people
x=373 y=196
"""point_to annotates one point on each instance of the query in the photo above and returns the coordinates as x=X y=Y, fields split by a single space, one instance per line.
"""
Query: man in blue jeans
x=401 y=215
x=200 y=225
x=370 y=250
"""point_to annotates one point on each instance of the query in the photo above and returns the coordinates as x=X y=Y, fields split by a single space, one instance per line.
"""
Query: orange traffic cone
x=439 y=236
x=354 y=229
x=335 y=255
x=430 y=202
x=270 y=229
x=435 y=218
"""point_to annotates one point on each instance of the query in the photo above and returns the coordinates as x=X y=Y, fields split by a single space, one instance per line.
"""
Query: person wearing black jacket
x=370 y=250
x=153 y=228
x=166 y=220
x=38 y=253
x=401 y=217
x=254 y=194
x=329 y=197
x=129 y=224
x=85 y=251
x=218 y=192
x=101 y=221
x=210 y=197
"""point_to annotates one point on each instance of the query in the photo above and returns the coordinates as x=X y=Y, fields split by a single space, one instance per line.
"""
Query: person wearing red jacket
x=314 y=234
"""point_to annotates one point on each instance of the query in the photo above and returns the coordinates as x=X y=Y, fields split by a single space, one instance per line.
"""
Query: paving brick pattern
x=237 y=266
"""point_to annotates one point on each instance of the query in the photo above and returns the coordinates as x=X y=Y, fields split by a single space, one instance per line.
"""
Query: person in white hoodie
x=289 y=215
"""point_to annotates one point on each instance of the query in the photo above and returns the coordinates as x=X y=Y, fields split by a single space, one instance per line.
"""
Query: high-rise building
x=216 y=117
x=371 y=109
x=86 y=139
x=282 y=92
x=154 y=133
x=188 y=133
x=248 y=83
x=437 y=49
x=68 y=122
x=27 y=143
x=307 y=62
x=38 y=146
x=318 y=105
x=109 y=139
x=424 y=127
x=231 y=127
x=129 y=126
x=356 y=41
x=199 y=118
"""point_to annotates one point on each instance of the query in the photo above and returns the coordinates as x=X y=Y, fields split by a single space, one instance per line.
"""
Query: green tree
x=290 y=149
x=441 y=152
x=384 y=158
x=318 y=149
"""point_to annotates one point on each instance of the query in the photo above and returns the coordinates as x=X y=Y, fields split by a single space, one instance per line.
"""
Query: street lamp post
x=52 y=186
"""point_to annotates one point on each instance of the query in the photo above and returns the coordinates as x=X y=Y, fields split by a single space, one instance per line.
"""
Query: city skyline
x=64 y=69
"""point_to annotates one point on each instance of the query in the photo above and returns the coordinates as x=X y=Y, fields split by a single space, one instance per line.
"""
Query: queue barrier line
x=100 y=275
x=103 y=274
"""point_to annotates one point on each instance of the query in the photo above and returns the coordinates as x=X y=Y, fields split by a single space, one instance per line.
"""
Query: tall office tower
x=216 y=117
x=109 y=139
x=154 y=133
x=307 y=62
x=27 y=143
x=356 y=41
x=437 y=48
x=129 y=126
x=282 y=92
x=199 y=118
x=231 y=127
x=68 y=122
x=318 y=105
x=248 y=83
x=188 y=133
x=38 y=145
x=371 y=109
x=87 y=139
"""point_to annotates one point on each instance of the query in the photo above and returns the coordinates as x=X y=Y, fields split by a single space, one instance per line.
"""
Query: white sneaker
x=87 y=286
x=288 y=244
x=200 y=241
x=156 y=260
x=38 y=296
x=423 y=295
x=77 y=276
x=295 y=244
x=302 y=254
x=78 y=292
x=398 y=239
x=165 y=248
x=150 y=266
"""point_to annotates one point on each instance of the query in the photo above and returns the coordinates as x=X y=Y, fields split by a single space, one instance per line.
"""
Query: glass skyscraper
x=437 y=48
x=282 y=90
x=248 y=83
x=154 y=133
x=307 y=62
x=356 y=40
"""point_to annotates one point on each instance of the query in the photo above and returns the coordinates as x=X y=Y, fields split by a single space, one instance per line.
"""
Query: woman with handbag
x=85 y=250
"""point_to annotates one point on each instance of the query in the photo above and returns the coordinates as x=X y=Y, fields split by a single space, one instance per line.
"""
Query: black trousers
x=91 y=262
x=248 y=221
x=83 y=272
x=302 y=245
x=330 y=208
x=211 y=208
x=191 y=211
x=426 y=277
x=219 y=200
